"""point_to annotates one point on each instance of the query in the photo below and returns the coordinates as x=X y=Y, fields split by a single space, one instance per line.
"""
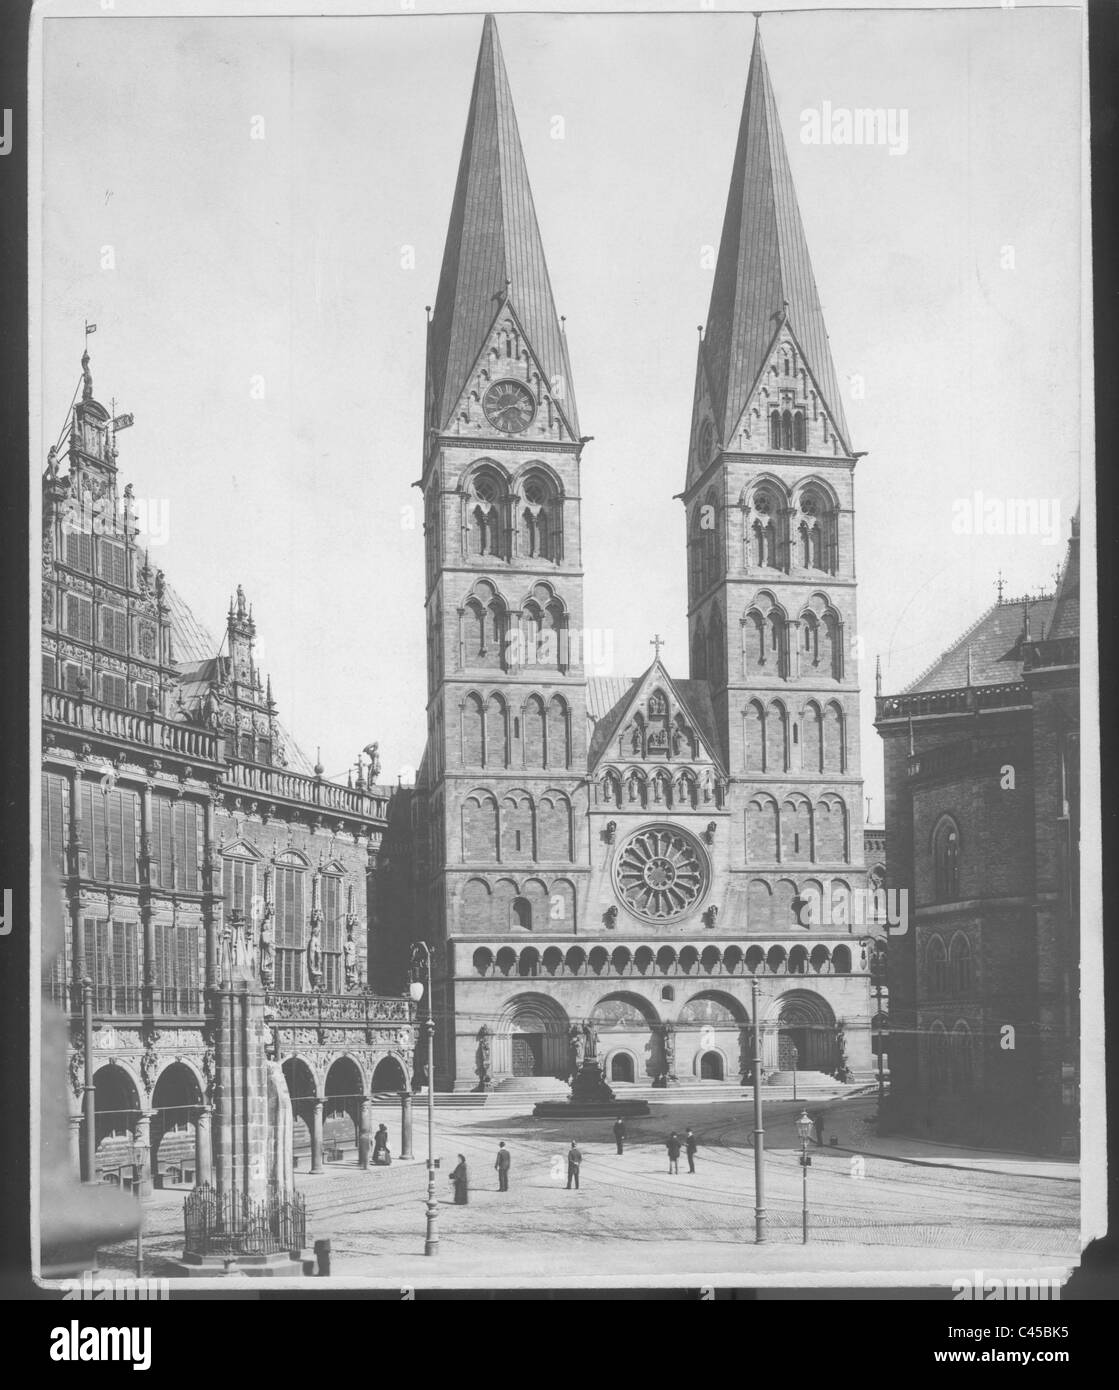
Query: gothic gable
x=657 y=727
x=507 y=355
x=786 y=411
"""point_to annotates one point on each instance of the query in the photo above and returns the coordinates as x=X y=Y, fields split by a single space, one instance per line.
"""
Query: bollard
x=322 y=1257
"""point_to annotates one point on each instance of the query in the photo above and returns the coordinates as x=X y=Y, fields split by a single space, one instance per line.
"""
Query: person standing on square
x=574 y=1162
x=501 y=1163
x=673 y=1147
x=620 y=1133
x=690 y=1147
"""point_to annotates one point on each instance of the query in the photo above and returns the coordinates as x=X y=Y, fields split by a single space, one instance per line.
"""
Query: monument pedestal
x=590 y=1096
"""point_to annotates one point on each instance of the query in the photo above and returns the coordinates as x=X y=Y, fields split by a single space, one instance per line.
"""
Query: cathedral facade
x=636 y=853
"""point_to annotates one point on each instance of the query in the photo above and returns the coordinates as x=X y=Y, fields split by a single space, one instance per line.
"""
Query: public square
x=878 y=1207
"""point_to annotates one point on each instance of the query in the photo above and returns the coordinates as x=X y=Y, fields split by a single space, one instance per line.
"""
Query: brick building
x=635 y=851
x=176 y=809
x=983 y=814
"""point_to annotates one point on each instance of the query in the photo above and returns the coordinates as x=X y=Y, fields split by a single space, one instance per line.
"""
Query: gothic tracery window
x=946 y=861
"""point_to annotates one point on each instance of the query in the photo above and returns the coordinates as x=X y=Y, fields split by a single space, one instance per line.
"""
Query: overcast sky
x=306 y=258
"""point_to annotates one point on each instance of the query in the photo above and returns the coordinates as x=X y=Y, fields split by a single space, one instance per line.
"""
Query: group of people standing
x=460 y=1178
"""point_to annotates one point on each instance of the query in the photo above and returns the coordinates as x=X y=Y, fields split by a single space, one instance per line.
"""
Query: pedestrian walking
x=620 y=1133
x=819 y=1123
x=673 y=1147
x=690 y=1147
x=501 y=1163
x=461 y=1182
x=381 y=1154
x=574 y=1162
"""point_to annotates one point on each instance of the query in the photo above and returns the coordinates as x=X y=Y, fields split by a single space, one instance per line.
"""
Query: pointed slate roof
x=493 y=238
x=991 y=647
x=1066 y=615
x=763 y=263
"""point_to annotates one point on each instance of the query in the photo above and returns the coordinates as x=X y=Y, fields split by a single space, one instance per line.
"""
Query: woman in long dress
x=461 y=1182
x=381 y=1155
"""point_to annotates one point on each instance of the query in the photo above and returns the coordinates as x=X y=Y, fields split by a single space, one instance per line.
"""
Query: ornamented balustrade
x=280 y=784
x=643 y=962
x=122 y=726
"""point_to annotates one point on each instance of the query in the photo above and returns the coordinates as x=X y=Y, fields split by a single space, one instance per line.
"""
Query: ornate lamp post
x=804 y=1129
x=421 y=960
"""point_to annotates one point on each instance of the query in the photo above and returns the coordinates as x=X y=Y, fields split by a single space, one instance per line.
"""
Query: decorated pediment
x=786 y=412
x=657 y=727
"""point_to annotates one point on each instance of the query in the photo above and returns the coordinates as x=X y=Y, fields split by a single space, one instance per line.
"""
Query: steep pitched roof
x=1066 y=615
x=763 y=264
x=994 y=643
x=493 y=238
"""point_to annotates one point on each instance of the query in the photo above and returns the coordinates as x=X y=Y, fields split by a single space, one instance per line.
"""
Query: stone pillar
x=203 y=1151
x=143 y=1143
x=406 y=1124
x=147 y=867
x=76 y=1143
x=316 y=1135
x=241 y=1137
x=364 y=1133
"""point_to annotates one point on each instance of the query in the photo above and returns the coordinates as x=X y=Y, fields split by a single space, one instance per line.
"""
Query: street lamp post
x=804 y=1129
x=421 y=958
x=759 y=1131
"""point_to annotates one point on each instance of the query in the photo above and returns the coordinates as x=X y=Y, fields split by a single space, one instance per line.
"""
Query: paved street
x=931 y=1214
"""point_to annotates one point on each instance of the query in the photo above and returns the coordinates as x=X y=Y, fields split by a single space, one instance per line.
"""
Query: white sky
x=283 y=258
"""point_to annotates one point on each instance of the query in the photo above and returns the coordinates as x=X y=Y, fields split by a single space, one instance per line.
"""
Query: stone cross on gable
x=657 y=641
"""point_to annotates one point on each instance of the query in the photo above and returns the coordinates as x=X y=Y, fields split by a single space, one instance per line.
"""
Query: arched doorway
x=531 y=1038
x=343 y=1094
x=628 y=1023
x=713 y=1033
x=302 y=1090
x=711 y=1067
x=388 y=1075
x=805 y=1021
x=175 y=1100
x=621 y=1067
x=116 y=1104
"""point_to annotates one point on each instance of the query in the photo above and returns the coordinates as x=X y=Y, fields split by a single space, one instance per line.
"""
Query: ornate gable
x=659 y=732
x=786 y=411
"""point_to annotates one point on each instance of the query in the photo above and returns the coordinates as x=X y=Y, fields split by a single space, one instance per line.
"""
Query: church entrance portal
x=528 y=1054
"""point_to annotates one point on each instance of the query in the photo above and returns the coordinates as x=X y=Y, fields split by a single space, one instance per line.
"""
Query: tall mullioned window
x=946 y=862
x=290 y=892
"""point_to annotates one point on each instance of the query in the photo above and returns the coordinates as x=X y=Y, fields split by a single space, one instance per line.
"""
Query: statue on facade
x=349 y=956
x=314 y=958
x=576 y=1047
x=372 y=752
x=267 y=955
x=842 y=1071
x=211 y=717
x=590 y=1034
x=669 y=1043
x=485 y=1074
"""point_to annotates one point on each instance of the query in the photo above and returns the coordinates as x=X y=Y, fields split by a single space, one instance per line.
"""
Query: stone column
x=203 y=1151
x=316 y=1135
x=365 y=1124
x=147 y=874
x=76 y=1143
x=406 y=1124
x=144 y=1147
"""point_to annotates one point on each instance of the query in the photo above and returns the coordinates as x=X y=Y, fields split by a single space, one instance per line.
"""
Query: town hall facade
x=633 y=854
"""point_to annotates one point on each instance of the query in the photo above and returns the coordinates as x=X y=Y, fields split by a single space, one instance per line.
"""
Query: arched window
x=798 y=431
x=960 y=965
x=946 y=862
x=621 y=1067
x=936 y=967
x=775 y=429
x=817 y=529
x=484 y=622
x=786 y=429
x=540 y=521
x=522 y=913
x=289 y=888
x=668 y=993
x=486 y=505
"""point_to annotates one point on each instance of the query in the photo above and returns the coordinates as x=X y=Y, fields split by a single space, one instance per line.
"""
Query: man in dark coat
x=690 y=1147
x=461 y=1182
x=501 y=1163
x=574 y=1160
x=673 y=1147
x=620 y=1133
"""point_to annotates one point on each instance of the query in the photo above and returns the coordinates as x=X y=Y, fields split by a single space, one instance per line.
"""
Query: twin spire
x=494 y=256
x=494 y=259
x=763 y=275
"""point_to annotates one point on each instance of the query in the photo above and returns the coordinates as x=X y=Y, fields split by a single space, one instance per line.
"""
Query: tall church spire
x=763 y=275
x=493 y=256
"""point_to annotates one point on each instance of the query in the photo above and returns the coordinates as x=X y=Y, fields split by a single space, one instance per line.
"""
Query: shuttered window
x=114 y=562
x=238 y=885
x=290 y=917
x=56 y=805
x=176 y=968
x=79 y=550
x=140 y=696
x=114 y=629
x=70 y=674
x=50 y=672
x=110 y=822
x=176 y=843
x=112 y=961
x=79 y=617
x=333 y=918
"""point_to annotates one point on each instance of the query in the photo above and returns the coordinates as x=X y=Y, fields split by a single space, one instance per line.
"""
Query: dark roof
x=994 y=643
x=493 y=237
x=1066 y=615
x=763 y=262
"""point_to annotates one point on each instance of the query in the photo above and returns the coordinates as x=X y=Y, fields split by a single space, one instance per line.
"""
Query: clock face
x=509 y=406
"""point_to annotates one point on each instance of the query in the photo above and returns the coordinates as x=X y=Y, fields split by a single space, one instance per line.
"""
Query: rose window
x=661 y=873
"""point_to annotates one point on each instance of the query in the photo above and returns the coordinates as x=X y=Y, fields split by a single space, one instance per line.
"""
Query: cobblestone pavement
x=867 y=1212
